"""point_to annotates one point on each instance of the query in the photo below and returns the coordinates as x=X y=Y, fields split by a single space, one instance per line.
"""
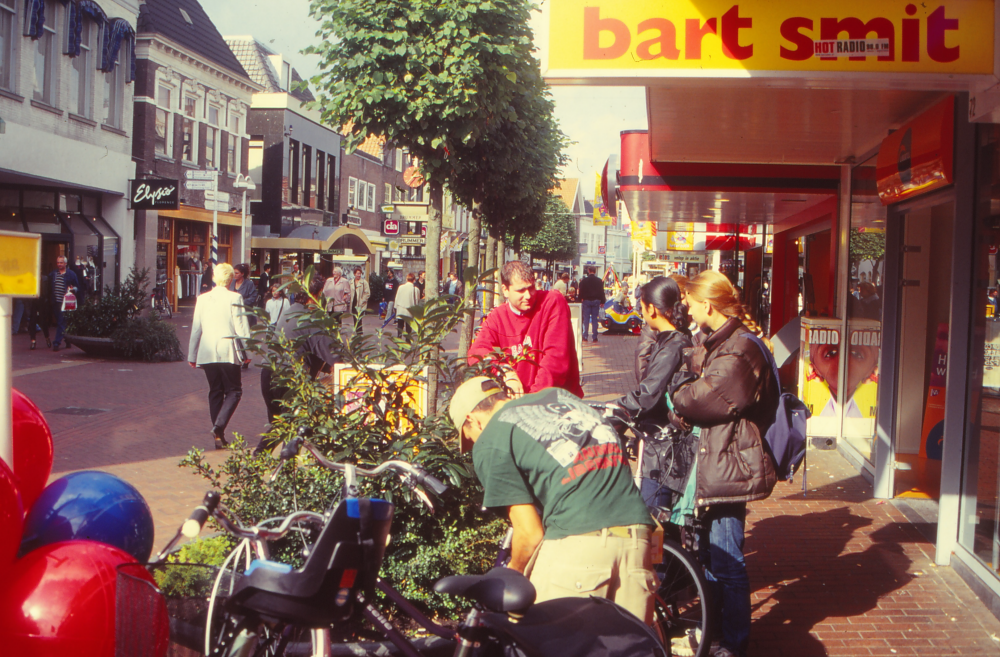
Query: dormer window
x=186 y=16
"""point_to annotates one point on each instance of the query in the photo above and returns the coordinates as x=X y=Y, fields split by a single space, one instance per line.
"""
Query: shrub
x=183 y=582
x=377 y=284
x=115 y=315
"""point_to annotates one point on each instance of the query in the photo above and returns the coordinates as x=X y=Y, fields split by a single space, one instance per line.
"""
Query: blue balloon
x=93 y=506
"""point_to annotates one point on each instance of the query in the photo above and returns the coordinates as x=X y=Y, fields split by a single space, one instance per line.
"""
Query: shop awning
x=317 y=238
x=191 y=213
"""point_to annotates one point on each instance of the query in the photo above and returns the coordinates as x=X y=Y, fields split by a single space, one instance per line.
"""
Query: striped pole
x=215 y=219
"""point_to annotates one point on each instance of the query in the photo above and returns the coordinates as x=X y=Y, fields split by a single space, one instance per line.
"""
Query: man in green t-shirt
x=550 y=451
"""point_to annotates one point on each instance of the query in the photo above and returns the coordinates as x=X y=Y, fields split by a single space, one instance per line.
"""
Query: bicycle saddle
x=500 y=590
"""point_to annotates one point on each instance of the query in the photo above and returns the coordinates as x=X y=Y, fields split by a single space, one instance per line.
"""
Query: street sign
x=193 y=185
x=221 y=206
x=393 y=245
x=200 y=175
x=212 y=195
x=411 y=240
x=678 y=256
x=20 y=264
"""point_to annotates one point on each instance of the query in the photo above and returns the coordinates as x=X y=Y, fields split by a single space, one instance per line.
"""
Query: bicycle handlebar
x=192 y=526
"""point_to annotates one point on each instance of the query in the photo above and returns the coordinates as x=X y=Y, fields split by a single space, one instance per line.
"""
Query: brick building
x=66 y=73
x=192 y=101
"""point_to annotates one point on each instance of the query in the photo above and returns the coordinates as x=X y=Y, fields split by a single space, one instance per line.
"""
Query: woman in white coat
x=407 y=296
x=216 y=346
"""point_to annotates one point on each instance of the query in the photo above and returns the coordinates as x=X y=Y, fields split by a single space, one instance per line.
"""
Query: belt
x=629 y=531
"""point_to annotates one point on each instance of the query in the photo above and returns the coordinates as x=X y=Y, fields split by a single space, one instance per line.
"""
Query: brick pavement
x=833 y=573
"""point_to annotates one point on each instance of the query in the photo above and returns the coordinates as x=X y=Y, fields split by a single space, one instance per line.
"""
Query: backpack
x=786 y=438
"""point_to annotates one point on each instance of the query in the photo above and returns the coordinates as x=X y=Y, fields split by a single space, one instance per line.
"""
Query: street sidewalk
x=833 y=572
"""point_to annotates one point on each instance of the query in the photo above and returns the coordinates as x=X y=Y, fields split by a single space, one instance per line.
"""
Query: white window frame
x=237 y=149
x=8 y=77
x=194 y=125
x=84 y=106
x=399 y=159
x=169 y=109
x=233 y=117
x=388 y=193
x=352 y=192
x=371 y=197
x=50 y=37
x=114 y=87
x=208 y=114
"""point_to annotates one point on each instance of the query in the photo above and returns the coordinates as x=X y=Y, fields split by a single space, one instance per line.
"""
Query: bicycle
x=272 y=603
x=159 y=300
x=683 y=611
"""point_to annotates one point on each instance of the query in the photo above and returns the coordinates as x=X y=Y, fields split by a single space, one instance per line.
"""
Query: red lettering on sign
x=667 y=40
x=694 y=32
x=937 y=25
x=594 y=25
x=731 y=25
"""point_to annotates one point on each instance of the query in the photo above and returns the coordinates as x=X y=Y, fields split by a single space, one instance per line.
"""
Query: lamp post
x=246 y=184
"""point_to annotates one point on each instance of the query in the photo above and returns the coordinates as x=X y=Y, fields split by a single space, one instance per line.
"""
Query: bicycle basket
x=170 y=616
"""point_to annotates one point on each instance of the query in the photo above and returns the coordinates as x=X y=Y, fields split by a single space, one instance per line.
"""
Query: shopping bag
x=69 y=301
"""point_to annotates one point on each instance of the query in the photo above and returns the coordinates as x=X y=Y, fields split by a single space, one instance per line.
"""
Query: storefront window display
x=979 y=525
x=864 y=308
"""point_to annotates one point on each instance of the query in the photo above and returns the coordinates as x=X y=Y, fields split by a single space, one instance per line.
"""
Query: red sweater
x=543 y=334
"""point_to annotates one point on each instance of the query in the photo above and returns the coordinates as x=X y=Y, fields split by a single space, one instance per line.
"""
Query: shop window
x=8 y=40
x=114 y=89
x=979 y=518
x=82 y=75
x=45 y=58
x=331 y=187
x=211 y=137
x=10 y=209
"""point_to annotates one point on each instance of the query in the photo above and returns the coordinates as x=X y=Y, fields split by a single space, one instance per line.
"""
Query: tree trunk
x=501 y=260
x=432 y=260
x=475 y=230
x=491 y=263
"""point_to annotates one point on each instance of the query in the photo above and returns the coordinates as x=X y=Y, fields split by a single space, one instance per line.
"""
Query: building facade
x=192 y=104
x=66 y=72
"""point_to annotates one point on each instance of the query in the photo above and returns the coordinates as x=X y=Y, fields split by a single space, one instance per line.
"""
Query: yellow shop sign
x=713 y=38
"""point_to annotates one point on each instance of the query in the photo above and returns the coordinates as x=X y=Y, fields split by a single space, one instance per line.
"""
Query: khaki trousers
x=606 y=566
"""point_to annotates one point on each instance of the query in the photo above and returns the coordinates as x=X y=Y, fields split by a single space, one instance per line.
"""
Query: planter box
x=98 y=347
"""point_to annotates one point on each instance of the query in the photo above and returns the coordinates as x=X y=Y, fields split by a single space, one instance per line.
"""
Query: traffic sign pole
x=215 y=219
x=6 y=381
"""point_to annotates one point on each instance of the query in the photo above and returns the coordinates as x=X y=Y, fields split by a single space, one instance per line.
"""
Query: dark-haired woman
x=665 y=313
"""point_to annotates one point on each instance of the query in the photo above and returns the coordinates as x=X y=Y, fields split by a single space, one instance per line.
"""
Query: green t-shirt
x=551 y=449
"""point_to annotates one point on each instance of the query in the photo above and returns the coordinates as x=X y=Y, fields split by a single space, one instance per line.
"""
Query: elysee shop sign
x=153 y=194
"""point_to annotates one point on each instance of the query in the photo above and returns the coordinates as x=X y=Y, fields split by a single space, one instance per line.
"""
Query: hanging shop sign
x=919 y=156
x=674 y=256
x=20 y=264
x=720 y=38
x=153 y=194
x=411 y=240
x=351 y=217
x=390 y=227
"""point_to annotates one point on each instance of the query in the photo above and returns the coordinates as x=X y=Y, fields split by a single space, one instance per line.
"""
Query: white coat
x=218 y=321
x=407 y=296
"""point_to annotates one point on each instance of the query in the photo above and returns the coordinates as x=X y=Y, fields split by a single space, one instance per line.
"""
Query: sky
x=592 y=117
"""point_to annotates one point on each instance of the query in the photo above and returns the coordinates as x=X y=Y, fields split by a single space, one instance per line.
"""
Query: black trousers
x=225 y=387
x=272 y=394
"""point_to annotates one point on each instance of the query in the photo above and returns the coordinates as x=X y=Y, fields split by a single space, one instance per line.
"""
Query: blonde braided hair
x=715 y=288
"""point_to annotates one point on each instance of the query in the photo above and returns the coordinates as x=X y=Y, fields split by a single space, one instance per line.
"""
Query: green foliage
x=867 y=245
x=148 y=338
x=457 y=84
x=375 y=420
x=179 y=582
x=558 y=238
x=100 y=316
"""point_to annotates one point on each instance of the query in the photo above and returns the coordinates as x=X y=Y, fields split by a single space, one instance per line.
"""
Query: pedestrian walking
x=245 y=288
x=389 y=294
x=39 y=313
x=337 y=291
x=407 y=296
x=276 y=304
x=217 y=333
x=361 y=292
x=733 y=400
x=62 y=282
x=421 y=283
x=590 y=534
x=264 y=283
x=207 y=278
x=593 y=298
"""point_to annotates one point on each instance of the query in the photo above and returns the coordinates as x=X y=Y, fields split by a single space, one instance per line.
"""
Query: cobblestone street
x=832 y=573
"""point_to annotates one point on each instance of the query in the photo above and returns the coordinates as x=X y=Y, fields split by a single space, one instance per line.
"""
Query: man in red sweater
x=534 y=325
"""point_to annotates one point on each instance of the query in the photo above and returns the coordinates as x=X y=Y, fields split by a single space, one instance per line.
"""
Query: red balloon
x=61 y=601
x=11 y=520
x=32 y=449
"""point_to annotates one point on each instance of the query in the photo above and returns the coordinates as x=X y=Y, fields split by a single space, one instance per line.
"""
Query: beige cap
x=466 y=398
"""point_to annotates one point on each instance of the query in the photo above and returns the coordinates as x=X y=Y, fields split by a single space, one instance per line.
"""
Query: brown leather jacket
x=733 y=401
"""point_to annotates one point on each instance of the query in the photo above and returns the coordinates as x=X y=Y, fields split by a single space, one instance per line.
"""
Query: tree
x=558 y=238
x=868 y=245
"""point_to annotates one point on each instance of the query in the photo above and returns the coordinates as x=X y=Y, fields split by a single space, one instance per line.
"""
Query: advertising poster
x=991 y=358
x=819 y=370
x=356 y=388
x=680 y=240
x=601 y=216
x=932 y=431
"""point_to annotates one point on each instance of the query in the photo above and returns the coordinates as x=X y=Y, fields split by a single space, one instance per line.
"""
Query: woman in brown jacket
x=733 y=400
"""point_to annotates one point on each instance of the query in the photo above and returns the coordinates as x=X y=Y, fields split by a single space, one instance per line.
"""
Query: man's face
x=521 y=294
x=357 y=276
x=336 y=276
x=61 y=264
x=421 y=277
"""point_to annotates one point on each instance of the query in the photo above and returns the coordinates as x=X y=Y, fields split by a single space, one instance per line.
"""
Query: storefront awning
x=191 y=213
x=317 y=238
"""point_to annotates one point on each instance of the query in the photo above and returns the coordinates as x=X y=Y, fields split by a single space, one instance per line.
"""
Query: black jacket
x=644 y=350
x=648 y=403
x=733 y=400
x=592 y=289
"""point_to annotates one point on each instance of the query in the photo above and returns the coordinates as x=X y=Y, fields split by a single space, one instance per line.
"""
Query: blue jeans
x=655 y=494
x=591 y=311
x=60 y=321
x=18 y=315
x=721 y=551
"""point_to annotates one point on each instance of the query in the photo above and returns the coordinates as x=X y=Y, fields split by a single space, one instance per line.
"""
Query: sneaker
x=686 y=645
x=585 y=340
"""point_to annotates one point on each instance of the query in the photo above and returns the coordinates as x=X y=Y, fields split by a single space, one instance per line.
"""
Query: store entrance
x=922 y=351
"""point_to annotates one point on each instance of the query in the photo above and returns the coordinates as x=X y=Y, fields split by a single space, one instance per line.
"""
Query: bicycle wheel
x=249 y=637
x=166 y=308
x=682 y=608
